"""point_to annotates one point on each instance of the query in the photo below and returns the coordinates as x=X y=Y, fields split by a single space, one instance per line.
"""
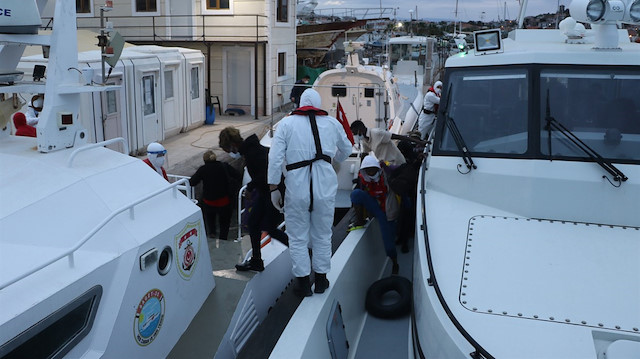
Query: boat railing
x=186 y=189
x=479 y=352
x=70 y=252
x=98 y=144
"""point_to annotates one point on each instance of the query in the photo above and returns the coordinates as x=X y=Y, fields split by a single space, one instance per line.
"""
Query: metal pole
x=255 y=58
x=102 y=45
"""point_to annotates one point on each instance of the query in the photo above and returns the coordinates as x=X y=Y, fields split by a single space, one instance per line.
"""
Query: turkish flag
x=345 y=123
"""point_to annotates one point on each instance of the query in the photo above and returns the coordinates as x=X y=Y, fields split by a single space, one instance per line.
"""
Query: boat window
x=369 y=92
x=195 y=83
x=339 y=90
x=57 y=334
x=407 y=52
x=601 y=107
x=490 y=108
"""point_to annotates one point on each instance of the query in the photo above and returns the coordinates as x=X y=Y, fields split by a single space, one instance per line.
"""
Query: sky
x=445 y=9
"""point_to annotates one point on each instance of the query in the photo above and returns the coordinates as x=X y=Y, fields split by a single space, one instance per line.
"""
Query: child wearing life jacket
x=373 y=194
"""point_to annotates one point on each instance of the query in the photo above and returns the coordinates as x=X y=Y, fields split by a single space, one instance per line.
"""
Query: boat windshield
x=497 y=111
x=602 y=108
x=407 y=52
x=490 y=109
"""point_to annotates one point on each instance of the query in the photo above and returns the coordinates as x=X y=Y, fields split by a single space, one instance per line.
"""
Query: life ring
x=378 y=307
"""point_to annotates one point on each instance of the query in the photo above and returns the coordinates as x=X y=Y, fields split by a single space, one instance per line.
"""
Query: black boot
x=253 y=264
x=302 y=287
x=322 y=283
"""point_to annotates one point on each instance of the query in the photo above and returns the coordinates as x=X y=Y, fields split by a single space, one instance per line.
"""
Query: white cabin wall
x=282 y=39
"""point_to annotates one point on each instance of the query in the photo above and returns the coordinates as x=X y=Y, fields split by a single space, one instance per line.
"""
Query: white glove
x=276 y=199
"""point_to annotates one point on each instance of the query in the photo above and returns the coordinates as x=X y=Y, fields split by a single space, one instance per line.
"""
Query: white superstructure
x=528 y=234
x=99 y=255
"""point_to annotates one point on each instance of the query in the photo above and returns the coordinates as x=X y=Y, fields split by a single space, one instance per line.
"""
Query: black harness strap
x=319 y=156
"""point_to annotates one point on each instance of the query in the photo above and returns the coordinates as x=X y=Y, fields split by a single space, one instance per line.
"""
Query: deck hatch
x=551 y=270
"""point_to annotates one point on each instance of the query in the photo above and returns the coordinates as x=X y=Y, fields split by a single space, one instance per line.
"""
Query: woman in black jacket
x=262 y=216
x=217 y=192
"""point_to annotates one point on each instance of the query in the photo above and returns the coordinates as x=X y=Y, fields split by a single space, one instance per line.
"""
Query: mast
x=523 y=8
x=455 y=20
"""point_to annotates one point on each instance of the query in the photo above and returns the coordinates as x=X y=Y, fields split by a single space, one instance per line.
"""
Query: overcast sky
x=445 y=9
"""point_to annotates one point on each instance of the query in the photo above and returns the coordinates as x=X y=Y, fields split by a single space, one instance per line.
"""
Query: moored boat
x=99 y=256
x=527 y=230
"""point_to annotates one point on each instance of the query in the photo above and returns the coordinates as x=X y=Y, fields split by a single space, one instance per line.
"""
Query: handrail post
x=72 y=262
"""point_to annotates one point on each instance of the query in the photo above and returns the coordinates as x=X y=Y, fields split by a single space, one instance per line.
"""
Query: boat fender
x=379 y=306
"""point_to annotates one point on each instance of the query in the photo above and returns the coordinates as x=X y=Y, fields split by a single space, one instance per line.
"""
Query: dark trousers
x=387 y=228
x=224 y=218
x=264 y=217
x=406 y=220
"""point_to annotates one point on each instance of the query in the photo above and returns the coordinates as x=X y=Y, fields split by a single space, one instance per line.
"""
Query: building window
x=282 y=63
x=83 y=6
x=282 y=7
x=146 y=6
x=217 y=4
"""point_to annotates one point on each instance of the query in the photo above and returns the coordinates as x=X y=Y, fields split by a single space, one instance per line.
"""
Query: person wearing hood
x=20 y=124
x=263 y=215
x=430 y=105
x=373 y=194
x=155 y=158
x=218 y=193
x=34 y=109
x=379 y=140
x=307 y=141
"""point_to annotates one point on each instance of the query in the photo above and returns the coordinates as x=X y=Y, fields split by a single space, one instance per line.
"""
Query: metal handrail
x=240 y=211
x=99 y=144
x=153 y=28
x=69 y=252
x=188 y=189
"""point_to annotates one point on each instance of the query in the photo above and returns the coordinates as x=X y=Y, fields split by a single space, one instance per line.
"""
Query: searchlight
x=607 y=14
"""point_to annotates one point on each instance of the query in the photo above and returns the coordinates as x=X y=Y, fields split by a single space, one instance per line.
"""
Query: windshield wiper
x=552 y=123
x=457 y=137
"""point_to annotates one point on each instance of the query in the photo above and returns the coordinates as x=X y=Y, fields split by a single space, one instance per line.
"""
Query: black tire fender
x=374 y=299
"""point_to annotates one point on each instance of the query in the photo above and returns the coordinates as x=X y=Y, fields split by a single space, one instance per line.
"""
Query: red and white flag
x=345 y=123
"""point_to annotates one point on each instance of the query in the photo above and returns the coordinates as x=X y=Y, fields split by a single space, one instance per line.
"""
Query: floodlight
x=634 y=11
x=487 y=41
x=595 y=10
x=598 y=11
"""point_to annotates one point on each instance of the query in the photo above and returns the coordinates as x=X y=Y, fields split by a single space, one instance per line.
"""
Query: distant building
x=249 y=45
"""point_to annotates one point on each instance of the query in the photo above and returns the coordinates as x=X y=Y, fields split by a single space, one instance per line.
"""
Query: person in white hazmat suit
x=311 y=185
x=430 y=104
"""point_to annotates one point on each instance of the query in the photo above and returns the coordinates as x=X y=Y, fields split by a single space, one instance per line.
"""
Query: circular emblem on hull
x=187 y=249
x=149 y=317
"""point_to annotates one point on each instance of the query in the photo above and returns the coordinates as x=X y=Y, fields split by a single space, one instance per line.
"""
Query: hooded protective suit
x=293 y=142
x=34 y=109
x=429 y=109
x=155 y=158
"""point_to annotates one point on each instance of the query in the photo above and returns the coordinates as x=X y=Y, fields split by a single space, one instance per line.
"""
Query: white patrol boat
x=99 y=255
x=376 y=95
x=528 y=233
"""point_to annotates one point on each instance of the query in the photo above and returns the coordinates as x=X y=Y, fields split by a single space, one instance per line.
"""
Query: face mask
x=234 y=155
x=156 y=161
x=359 y=138
x=438 y=91
x=373 y=178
